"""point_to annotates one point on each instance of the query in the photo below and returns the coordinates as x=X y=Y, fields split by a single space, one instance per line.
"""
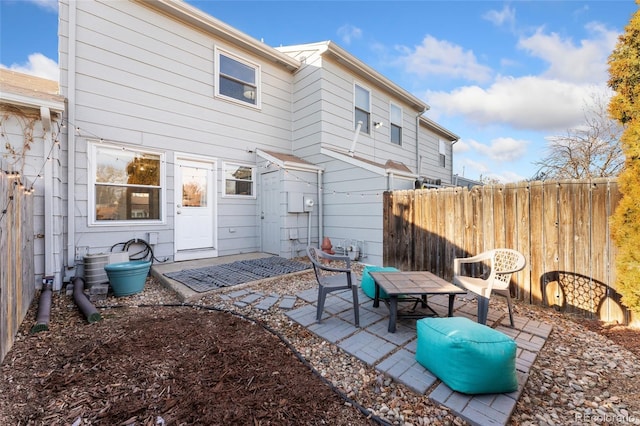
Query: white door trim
x=180 y=255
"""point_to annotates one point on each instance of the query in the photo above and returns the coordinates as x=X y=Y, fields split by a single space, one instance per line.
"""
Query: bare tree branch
x=588 y=151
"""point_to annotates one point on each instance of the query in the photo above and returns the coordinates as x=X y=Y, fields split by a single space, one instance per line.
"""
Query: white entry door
x=195 y=208
x=270 y=214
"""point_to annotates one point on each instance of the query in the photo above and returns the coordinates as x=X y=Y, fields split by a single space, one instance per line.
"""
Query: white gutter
x=71 y=135
x=320 y=209
x=197 y=18
x=47 y=145
x=31 y=101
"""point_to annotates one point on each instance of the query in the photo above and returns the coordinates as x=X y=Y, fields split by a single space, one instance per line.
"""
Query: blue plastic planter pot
x=127 y=278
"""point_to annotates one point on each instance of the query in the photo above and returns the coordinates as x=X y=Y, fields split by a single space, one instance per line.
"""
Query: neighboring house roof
x=192 y=16
x=26 y=90
x=463 y=181
x=346 y=59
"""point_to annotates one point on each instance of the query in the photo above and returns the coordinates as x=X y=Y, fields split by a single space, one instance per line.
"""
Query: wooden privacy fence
x=561 y=227
x=17 y=287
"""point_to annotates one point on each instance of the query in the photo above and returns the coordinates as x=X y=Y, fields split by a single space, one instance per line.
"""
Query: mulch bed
x=169 y=365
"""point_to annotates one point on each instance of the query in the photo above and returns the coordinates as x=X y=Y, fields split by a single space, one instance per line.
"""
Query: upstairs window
x=362 y=103
x=237 y=79
x=395 y=118
x=239 y=180
x=443 y=153
x=126 y=185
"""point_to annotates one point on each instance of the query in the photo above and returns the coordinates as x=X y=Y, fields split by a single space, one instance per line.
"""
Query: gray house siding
x=143 y=81
x=140 y=79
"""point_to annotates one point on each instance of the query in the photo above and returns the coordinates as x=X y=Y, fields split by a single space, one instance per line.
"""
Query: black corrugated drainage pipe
x=44 y=310
x=83 y=302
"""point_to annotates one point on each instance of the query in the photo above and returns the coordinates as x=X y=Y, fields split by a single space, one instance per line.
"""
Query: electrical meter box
x=295 y=202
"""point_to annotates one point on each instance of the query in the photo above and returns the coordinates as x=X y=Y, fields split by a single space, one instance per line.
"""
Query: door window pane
x=194 y=187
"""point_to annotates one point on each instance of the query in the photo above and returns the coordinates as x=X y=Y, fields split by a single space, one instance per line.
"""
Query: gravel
x=580 y=377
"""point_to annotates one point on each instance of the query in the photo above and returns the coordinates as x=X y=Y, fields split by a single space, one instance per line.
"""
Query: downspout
x=71 y=135
x=87 y=308
x=418 y=157
x=320 y=209
x=47 y=145
x=44 y=311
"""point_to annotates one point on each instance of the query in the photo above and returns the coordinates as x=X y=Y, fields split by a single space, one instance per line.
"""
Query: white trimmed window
x=443 y=153
x=362 y=111
x=126 y=185
x=395 y=118
x=237 y=79
x=239 y=180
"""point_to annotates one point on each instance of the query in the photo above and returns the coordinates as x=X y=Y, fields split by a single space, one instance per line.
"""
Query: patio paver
x=394 y=353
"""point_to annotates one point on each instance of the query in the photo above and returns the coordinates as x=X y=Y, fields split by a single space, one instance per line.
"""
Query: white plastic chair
x=331 y=277
x=502 y=263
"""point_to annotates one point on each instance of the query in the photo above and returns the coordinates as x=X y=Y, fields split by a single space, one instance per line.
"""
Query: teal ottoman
x=368 y=286
x=468 y=357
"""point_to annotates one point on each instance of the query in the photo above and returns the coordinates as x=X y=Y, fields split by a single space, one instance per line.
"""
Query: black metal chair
x=333 y=273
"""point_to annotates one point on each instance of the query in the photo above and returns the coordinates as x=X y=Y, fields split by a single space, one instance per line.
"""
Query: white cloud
x=440 y=57
x=348 y=33
x=506 y=16
x=530 y=102
x=38 y=65
x=461 y=146
x=477 y=170
x=583 y=63
x=501 y=149
x=49 y=5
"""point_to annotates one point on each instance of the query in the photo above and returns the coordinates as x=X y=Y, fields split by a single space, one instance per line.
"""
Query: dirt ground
x=628 y=338
x=161 y=366
x=172 y=366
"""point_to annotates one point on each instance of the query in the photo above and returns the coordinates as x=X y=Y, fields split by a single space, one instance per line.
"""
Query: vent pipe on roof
x=355 y=138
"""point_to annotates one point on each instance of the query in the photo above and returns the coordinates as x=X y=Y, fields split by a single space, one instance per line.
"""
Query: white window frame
x=393 y=123
x=366 y=126
x=258 y=72
x=232 y=164
x=442 y=151
x=92 y=149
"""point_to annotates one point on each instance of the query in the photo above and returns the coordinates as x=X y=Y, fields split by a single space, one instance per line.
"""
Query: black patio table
x=411 y=283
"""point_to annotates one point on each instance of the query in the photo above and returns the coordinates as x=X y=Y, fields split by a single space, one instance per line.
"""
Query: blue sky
x=504 y=76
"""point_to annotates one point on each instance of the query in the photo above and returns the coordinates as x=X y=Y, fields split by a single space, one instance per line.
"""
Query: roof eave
x=32 y=102
x=368 y=73
x=439 y=129
x=193 y=16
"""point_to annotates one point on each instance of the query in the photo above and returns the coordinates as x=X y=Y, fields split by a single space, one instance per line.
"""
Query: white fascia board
x=365 y=71
x=31 y=102
x=346 y=158
x=382 y=171
x=207 y=23
x=288 y=165
x=439 y=129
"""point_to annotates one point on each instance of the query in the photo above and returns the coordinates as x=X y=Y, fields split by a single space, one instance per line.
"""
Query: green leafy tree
x=624 y=79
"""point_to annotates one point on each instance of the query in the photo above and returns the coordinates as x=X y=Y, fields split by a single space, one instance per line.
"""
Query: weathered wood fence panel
x=16 y=259
x=561 y=227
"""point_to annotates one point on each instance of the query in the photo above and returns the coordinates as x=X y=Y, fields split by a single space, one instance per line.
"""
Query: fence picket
x=560 y=227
